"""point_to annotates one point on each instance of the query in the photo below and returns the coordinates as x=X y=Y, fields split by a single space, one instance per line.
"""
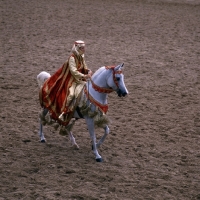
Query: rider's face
x=81 y=50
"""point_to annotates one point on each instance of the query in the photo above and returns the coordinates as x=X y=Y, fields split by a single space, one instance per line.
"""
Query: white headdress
x=77 y=45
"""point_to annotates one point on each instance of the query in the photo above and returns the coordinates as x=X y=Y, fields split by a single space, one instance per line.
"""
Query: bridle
x=107 y=90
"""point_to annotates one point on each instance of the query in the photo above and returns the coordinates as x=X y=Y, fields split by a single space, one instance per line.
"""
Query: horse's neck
x=99 y=79
x=98 y=96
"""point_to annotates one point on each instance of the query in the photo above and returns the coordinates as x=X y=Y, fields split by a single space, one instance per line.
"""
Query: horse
x=93 y=104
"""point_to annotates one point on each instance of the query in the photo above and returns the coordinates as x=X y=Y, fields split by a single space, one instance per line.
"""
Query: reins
x=88 y=88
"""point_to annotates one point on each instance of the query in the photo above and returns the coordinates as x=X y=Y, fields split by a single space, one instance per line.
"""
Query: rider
x=61 y=90
x=78 y=69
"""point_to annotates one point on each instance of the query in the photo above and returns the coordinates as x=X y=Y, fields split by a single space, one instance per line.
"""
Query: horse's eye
x=117 y=78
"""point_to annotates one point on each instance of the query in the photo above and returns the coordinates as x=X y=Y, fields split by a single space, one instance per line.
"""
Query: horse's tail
x=42 y=77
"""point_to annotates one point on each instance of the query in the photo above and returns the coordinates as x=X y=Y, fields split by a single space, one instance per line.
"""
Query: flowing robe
x=62 y=88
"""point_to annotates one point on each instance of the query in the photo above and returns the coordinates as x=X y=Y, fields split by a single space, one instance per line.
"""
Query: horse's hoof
x=99 y=159
x=42 y=141
x=75 y=146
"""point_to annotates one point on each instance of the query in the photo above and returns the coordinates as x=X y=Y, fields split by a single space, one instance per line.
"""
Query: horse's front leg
x=73 y=141
x=41 y=116
x=107 y=130
x=90 y=125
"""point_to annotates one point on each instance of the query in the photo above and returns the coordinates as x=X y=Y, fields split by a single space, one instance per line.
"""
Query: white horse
x=103 y=81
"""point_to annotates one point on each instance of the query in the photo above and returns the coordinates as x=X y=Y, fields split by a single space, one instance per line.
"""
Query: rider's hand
x=90 y=72
x=88 y=75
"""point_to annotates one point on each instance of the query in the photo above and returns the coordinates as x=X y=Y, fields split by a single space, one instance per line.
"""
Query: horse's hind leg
x=107 y=130
x=42 y=115
x=41 y=134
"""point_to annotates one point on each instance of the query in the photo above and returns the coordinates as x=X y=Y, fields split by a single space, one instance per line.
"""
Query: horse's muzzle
x=121 y=93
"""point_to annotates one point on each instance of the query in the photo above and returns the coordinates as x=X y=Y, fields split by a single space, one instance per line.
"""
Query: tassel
x=101 y=121
x=92 y=114
x=85 y=109
x=70 y=126
x=56 y=126
x=63 y=131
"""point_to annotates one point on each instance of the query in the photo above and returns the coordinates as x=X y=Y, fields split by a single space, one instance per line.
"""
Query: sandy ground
x=153 y=149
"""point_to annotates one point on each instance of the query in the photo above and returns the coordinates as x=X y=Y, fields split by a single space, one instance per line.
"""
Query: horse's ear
x=118 y=67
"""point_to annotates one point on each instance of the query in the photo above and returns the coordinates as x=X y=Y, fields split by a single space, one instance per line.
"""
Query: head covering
x=77 y=45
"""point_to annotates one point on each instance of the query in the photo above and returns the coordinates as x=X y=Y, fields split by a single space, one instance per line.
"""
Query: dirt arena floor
x=153 y=149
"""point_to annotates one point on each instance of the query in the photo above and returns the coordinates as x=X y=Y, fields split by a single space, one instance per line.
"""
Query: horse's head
x=116 y=80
